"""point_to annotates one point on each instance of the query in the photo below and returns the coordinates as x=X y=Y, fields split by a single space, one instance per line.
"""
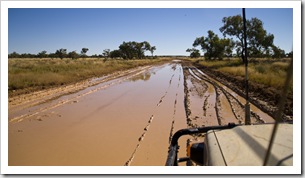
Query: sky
x=171 y=30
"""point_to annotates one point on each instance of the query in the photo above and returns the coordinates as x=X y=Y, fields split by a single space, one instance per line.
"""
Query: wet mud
x=227 y=105
x=210 y=103
x=124 y=119
x=260 y=96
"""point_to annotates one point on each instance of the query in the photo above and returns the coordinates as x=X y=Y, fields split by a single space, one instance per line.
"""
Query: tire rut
x=175 y=108
x=146 y=128
x=236 y=106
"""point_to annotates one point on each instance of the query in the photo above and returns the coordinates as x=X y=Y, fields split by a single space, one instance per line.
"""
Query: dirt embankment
x=263 y=97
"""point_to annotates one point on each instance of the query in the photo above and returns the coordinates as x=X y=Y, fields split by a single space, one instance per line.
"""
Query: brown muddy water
x=128 y=120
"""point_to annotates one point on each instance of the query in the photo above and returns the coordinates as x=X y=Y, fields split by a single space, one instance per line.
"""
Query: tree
x=106 y=53
x=152 y=49
x=61 y=53
x=214 y=47
x=84 y=51
x=141 y=48
x=290 y=54
x=147 y=47
x=14 y=55
x=52 y=55
x=259 y=42
x=194 y=53
x=115 y=54
x=42 y=54
x=132 y=49
x=128 y=50
x=73 y=55
x=278 y=52
x=229 y=46
x=27 y=55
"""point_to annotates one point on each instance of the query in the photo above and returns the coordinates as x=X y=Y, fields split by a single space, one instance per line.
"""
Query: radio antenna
x=247 y=105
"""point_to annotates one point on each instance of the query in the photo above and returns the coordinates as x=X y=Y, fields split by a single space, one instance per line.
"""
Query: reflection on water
x=143 y=76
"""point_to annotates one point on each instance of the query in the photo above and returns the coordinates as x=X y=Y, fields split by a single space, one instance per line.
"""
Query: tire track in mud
x=236 y=106
x=73 y=99
x=209 y=106
x=145 y=130
x=187 y=101
x=219 y=91
x=175 y=108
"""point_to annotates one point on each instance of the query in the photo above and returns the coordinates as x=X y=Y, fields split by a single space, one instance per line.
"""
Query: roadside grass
x=271 y=73
x=37 y=74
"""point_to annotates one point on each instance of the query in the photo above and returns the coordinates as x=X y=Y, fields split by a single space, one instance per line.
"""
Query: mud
x=262 y=97
x=208 y=103
x=126 y=118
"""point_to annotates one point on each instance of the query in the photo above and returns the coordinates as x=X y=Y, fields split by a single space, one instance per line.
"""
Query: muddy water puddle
x=125 y=121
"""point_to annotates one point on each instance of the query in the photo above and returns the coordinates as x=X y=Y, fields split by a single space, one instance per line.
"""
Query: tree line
x=130 y=50
x=127 y=50
x=259 y=42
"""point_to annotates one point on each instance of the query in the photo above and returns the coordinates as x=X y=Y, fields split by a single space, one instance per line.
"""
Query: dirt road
x=126 y=118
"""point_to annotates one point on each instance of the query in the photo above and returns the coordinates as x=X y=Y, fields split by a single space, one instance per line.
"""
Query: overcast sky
x=171 y=30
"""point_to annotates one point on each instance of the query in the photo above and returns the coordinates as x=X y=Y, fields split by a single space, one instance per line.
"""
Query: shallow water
x=125 y=121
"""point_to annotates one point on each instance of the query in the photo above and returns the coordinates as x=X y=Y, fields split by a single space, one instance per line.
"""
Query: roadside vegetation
x=30 y=72
x=127 y=50
x=267 y=63
x=26 y=75
x=260 y=42
x=270 y=73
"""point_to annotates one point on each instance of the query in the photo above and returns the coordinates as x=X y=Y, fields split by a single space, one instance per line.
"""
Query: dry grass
x=270 y=73
x=35 y=74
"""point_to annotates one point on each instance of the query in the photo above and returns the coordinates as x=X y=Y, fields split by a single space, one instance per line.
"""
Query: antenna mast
x=247 y=105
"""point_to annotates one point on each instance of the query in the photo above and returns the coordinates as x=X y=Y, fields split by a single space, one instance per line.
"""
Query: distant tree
x=52 y=55
x=94 y=56
x=290 y=54
x=61 y=53
x=106 y=53
x=84 y=51
x=14 y=55
x=73 y=55
x=27 y=55
x=115 y=54
x=147 y=47
x=214 y=47
x=42 y=54
x=132 y=49
x=152 y=49
x=194 y=53
x=128 y=50
x=278 y=52
x=259 y=42
x=140 y=48
x=229 y=46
